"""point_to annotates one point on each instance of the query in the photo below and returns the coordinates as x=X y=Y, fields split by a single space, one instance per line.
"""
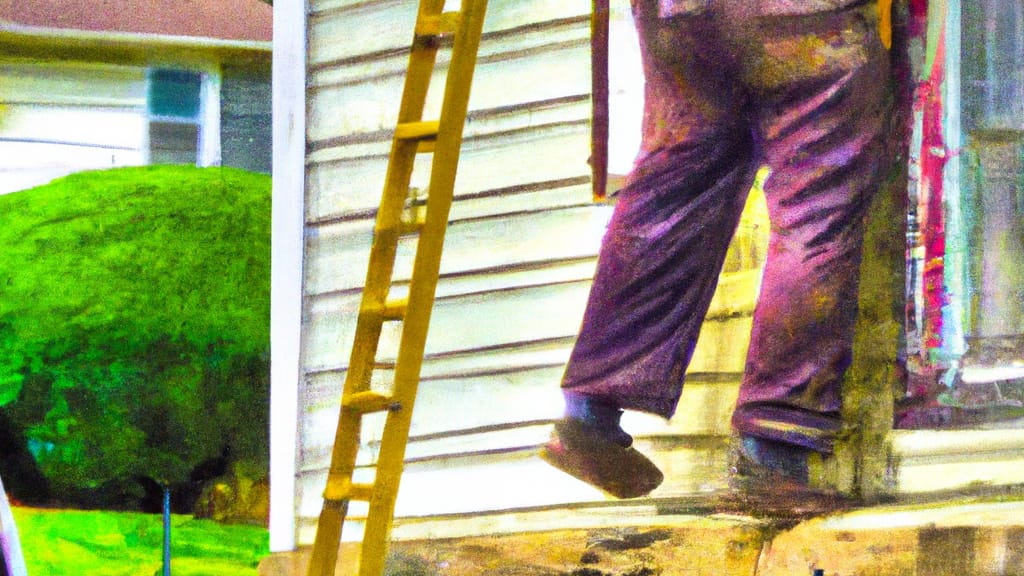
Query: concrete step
x=961 y=538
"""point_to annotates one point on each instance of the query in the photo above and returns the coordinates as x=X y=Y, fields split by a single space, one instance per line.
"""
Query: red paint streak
x=933 y=162
x=918 y=18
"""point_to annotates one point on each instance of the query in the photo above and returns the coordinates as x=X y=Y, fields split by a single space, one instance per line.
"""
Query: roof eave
x=126 y=40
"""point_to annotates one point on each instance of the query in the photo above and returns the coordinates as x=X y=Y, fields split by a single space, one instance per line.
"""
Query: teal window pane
x=174 y=93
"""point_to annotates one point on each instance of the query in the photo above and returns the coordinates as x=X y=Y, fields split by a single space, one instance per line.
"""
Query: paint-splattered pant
x=727 y=92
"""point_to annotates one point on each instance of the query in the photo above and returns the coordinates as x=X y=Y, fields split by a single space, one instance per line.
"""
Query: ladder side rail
x=422 y=288
x=401 y=162
x=378 y=279
x=387 y=228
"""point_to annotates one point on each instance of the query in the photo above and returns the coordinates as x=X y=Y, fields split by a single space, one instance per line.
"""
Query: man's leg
x=662 y=253
x=825 y=92
x=666 y=242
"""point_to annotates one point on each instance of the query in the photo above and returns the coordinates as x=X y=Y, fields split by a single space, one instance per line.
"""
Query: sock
x=600 y=416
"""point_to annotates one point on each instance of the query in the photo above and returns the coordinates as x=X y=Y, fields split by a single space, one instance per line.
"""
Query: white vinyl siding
x=60 y=118
x=519 y=257
x=518 y=261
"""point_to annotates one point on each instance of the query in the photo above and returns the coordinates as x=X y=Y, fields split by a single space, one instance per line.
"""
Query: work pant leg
x=665 y=245
x=824 y=93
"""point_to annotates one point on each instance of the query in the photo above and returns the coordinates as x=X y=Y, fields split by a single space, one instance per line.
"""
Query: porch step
x=961 y=538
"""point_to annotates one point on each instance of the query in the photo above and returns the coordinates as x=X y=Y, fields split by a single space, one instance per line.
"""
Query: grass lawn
x=73 y=542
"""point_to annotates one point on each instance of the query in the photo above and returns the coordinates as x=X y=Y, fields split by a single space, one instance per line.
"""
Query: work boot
x=769 y=458
x=588 y=444
x=775 y=478
x=603 y=418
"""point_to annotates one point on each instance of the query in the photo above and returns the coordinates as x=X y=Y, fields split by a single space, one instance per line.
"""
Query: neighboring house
x=520 y=253
x=86 y=85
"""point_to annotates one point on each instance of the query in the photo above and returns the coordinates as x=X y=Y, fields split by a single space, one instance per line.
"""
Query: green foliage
x=134 y=322
x=130 y=544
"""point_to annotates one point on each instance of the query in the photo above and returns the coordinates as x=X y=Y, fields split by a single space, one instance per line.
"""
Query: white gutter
x=132 y=39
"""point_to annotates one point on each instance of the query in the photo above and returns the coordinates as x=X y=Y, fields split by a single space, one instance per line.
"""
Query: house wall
x=62 y=117
x=519 y=257
x=245 y=117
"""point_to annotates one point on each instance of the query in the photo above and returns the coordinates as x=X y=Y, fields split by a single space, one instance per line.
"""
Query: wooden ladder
x=413 y=135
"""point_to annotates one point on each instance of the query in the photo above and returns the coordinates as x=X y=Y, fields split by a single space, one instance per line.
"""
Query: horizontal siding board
x=722 y=345
x=477 y=362
x=521 y=480
x=495 y=51
x=481 y=128
x=498 y=161
x=338 y=255
x=368 y=105
x=469 y=321
x=94 y=127
x=501 y=412
x=949 y=460
x=361 y=29
x=369 y=28
x=452 y=408
x=514 y=315
x=71 y=85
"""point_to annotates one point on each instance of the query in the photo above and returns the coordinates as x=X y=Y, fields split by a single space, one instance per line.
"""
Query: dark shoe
x=761 y=457
x=602 y=417
x=776 y=479
x=585 y=452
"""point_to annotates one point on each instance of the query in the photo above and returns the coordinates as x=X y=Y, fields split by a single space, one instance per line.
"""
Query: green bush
x=134 y=324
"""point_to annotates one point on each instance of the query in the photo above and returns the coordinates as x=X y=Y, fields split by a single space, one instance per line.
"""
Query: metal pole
x=167 y=531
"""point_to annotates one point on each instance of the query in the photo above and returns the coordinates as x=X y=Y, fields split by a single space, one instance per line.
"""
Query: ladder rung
x=424 y=130
x=414 y=225
x=404 y=228
x=412 y=228
x=394 y=310
x=366 y=402
x=344 y=489
x=440 y=25
x=426 y=146
x=391 y=311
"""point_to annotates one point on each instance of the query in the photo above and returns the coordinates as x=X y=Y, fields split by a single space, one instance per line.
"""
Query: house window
x=174 y=105
x=993 y=73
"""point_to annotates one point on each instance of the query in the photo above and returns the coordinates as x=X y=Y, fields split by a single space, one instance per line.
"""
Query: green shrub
x=134 y=324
